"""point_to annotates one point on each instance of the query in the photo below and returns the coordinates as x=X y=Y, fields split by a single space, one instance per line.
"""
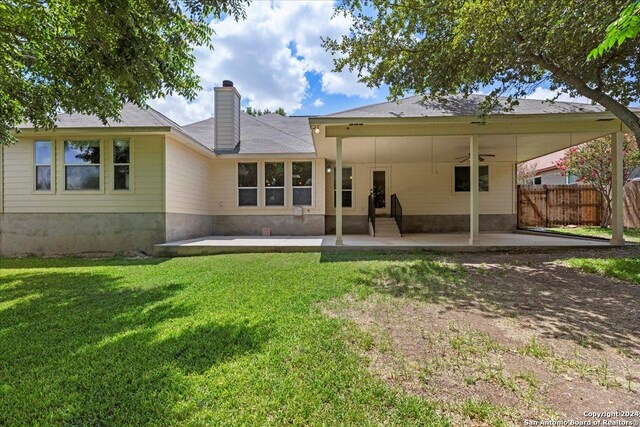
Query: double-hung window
x=462 y=178
x=82 y=165
x=121 y=164
x=247 y=184
x=43 y=159
x=302 y=183
x=274 y=183
x=347 y=187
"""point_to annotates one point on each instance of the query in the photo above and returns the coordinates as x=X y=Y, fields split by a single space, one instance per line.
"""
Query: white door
x=380 y=190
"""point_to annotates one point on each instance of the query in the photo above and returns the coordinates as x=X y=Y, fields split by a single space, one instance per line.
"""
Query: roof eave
x=97 y=129
x=462 y=119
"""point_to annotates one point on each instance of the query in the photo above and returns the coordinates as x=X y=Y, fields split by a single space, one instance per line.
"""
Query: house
x=126 y=186
x=545 y=171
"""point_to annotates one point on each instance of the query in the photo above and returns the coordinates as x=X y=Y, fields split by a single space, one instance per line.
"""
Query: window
x=82 y=165
x=463 y=178
x=302 y=183
x=121 y=164
x=537 y=180
x=43 y=154
x=247 y=184
x=347 y=187
x=274 y=184
x=572 y=179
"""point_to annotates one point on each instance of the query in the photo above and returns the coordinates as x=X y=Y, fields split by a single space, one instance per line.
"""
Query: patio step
x=387 y=227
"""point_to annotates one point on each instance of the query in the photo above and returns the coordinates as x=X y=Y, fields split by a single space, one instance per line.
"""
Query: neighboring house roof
x=546 y=162
x=268 y=134
x=457 y=105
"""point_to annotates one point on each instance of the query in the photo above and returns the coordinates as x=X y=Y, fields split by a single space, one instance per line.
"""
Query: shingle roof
x=457 y=105
x=131 y=116
x=268 y=134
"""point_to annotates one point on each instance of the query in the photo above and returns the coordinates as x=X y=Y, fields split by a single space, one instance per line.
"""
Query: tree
x=591 y=163
x=257 y=112
x=93 y=56
x=442 y=47
x=625 y=27
x=525 y=172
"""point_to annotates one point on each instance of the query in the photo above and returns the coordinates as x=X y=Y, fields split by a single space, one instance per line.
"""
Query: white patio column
x=338 y=191
x=474 y=192
x=617 y=190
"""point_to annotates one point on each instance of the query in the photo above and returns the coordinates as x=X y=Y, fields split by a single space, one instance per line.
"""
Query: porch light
x=316 y=128
x=328 y=169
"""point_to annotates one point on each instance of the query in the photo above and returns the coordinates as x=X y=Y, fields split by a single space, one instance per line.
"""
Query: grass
x=224 y=340
x=630 y=234
x=620 y=268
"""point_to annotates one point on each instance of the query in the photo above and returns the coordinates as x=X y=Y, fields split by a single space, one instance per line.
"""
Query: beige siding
x=225 y=193
x=426 y=189
x=188 y=181
x=147 y=169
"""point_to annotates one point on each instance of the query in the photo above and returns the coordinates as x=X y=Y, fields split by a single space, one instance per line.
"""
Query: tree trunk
x=606 y=213
x=621 y=111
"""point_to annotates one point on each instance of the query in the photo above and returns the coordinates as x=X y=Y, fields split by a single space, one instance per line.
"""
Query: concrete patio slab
x=452 y=242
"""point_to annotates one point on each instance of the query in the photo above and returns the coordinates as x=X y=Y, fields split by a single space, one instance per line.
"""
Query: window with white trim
x=274 y=183
x=82 y=165
x=462 y=178
x=302 y=183
x=248 y=184
x=347 y=187
x=121 y=164
x=43 y=154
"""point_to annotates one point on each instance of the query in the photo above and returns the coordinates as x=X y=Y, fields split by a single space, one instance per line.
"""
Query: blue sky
x=275 y=59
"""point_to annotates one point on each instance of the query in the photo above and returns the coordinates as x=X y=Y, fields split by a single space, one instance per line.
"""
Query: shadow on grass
x=557 y=301
x=359 y=255
x=32 y=262
x=82 y=349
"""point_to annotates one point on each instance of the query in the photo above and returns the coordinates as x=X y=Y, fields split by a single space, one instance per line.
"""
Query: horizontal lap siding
x=426 y=189
x=148 y=177
x=224 y=199
x=188 y=180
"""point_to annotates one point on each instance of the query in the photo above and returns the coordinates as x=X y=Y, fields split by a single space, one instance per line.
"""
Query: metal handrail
x=372 y=214
x=396 y=211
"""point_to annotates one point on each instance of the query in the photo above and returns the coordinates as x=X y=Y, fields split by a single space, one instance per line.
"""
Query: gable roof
x=458 y=105
x=131 y=116
x=268 y=134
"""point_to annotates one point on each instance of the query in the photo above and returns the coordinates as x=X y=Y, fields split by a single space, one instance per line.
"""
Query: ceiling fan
x=466 y=158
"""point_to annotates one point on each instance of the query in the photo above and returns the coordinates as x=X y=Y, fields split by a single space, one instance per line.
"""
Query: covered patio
x=420 y=145
x=439 y=242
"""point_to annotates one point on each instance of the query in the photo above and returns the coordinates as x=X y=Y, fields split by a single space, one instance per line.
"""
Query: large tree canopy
x=442 y=47
x=92 y=56
x=625 y=27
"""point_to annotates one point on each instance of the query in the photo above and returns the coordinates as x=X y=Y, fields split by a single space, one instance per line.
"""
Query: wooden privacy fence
x=632 y=204
x=558 y=205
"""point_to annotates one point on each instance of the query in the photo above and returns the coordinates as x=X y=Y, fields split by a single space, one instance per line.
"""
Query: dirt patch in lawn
x=511 y=337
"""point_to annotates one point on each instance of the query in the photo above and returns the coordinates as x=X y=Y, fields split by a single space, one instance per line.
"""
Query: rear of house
x=146 y=180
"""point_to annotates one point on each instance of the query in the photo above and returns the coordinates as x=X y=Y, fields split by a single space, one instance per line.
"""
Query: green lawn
x=223 y=340
x=620 y=268
x=630 y=234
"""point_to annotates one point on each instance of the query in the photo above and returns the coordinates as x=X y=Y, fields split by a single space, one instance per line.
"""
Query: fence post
x=546 y=206
x=518 y=206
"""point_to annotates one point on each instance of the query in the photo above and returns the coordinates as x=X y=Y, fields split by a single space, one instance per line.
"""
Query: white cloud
x=544 y=94
x=318 y=103
x=256 y=54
